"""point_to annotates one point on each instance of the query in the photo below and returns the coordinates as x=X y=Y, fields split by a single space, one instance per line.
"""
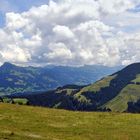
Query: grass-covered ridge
x=119 y=92
x=33 y=123
x=96 y=87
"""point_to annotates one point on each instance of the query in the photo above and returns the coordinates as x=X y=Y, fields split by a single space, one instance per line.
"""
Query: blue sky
x=70 y=32
x=136 y=9
x=22 y=5
x=17 y=6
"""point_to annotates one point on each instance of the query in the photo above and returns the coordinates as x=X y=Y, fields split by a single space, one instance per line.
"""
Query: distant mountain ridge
x=16 y=79
x=119 y=92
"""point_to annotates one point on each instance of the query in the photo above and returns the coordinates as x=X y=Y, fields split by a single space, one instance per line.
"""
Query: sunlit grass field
x=35 y=123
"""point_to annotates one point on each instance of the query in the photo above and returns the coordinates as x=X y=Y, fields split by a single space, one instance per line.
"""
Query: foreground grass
x=34 y=123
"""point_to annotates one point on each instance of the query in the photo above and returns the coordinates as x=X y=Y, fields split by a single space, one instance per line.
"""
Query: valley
x=17 y=79
x=119 y=92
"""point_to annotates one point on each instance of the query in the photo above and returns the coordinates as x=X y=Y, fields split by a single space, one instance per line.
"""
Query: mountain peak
x=131 y=69
x=7 y=65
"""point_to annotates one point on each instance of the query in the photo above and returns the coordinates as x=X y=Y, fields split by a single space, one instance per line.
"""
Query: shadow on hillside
x=134 y=107
x=64 y=101
x=123 y=78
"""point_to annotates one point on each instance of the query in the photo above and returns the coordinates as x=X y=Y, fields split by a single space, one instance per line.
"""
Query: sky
x=70 y=32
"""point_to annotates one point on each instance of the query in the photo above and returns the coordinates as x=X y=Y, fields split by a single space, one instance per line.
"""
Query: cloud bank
x=73 y=32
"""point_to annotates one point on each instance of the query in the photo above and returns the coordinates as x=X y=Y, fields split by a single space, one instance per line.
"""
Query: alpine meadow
x=69 y=70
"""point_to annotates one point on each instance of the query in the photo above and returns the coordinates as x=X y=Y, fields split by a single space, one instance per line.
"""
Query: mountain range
x=119 y=92
x=16 y=79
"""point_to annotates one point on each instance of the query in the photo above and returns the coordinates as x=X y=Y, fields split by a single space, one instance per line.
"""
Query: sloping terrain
x=15 y=79
x=34 y=123
x=119 y=92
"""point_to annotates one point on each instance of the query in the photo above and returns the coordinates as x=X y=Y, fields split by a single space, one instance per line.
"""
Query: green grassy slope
x=33 y=123
x=102 y=95
x=96 y=87
x=115 y=92
x=131 y=93
x=119 y=92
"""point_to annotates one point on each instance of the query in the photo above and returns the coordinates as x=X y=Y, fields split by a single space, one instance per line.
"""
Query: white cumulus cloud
x=72 y=32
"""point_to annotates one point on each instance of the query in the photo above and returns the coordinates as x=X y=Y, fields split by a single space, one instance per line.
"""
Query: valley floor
x=34 y=123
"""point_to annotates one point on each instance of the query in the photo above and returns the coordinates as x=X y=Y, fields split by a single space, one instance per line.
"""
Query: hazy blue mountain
x=16 y=79
x=119 y=92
